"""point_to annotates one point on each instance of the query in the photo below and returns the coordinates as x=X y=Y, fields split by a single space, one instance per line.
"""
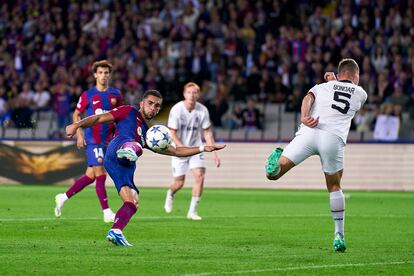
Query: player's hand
x=217 y=160
x=310 y=122
x=213 y=148
x=71 y=130
x=80 y=141
x=329 y=76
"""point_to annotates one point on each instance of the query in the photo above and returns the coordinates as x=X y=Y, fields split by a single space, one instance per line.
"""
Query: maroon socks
x=123 y=215
x=78 y=186
x=101 y=191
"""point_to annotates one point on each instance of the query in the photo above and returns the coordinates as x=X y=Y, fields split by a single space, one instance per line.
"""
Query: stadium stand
x=235 y=50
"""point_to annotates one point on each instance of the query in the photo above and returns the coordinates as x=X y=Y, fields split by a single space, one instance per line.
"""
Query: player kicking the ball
x=326 y=114
x=124 y=150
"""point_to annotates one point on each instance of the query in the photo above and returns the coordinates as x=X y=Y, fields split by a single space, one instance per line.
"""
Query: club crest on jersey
x=113 y=101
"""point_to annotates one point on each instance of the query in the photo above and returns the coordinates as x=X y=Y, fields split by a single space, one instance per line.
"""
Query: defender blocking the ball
x=326 y=115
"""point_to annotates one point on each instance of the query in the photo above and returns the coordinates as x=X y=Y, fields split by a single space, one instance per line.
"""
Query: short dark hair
x=101 y=63
x=348 y=65
x=152 y=92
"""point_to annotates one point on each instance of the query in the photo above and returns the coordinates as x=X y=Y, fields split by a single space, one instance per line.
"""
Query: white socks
x=107 y=211
x=337 y=204
x=195 y=200
x=64 y=197
x=170 y=194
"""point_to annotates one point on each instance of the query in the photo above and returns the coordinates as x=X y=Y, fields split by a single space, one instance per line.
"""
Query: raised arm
x=88 y=122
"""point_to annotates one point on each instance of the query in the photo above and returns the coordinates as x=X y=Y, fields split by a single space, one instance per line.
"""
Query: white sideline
x=167 y=217
x=281 y=269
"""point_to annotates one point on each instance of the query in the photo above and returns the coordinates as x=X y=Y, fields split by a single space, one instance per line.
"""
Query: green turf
x=263 y=232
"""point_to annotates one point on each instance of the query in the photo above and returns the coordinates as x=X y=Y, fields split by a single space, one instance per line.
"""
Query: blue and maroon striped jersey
x=97 y=102
x=129 y=123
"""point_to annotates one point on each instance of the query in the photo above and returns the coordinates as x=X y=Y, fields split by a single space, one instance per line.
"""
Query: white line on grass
x=205 y=217
x=290 y=268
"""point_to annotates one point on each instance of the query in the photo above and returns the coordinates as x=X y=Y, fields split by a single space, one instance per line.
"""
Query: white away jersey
x=189 y=124
x=336 y=103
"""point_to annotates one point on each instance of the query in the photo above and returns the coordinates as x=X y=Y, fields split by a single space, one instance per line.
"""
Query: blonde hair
x=191 y=84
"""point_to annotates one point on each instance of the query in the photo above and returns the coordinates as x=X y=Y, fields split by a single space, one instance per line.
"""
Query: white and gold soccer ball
x=158 y=138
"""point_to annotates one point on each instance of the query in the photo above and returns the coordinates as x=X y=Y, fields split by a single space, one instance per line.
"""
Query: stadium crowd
x=237 y=51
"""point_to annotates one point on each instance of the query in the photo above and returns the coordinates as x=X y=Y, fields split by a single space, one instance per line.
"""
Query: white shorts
x=313 y=141
x=181 y=165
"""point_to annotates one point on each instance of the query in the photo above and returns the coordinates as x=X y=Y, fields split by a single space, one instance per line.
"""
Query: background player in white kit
x=326 y=114
x=187 y=119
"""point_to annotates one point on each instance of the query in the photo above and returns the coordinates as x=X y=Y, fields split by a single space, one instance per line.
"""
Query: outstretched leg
x=277 y=164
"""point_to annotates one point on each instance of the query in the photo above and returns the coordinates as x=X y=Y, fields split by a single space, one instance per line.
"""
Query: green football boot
x=127 y=153
x=272 y=164
x=339 y=243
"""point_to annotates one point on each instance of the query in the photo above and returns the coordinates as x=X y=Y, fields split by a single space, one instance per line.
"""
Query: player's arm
x=208 y=136
x=305 y=117
x=188 y=151
x=80 y=138
x=175 y=138
x=88 y=122
x=329 y=76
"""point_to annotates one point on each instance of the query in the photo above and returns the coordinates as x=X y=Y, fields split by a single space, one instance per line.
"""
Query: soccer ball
x=158 y=138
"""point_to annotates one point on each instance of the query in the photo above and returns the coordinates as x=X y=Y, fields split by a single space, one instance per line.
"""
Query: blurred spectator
x=62 y=100
x=398 y=98
x=165 y=44
x=41 y=98
x=217 y=108
x=22 y=110
x=387 y=124
x=4 y=110
x=294 y=100
x=363 y=120
x=251 y=116
x=232 y=118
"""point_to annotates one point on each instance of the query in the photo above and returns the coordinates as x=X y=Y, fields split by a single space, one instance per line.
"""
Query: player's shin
x=101 y=191
x=78 y=186
x=337 y=204
x=123 y=215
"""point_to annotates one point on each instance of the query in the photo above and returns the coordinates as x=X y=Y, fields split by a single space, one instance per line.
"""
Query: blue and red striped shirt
x=97 y=102
x=130 y=123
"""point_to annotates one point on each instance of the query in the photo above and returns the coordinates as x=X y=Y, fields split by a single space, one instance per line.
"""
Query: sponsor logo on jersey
x=188 y=128
x=100 y=111
x=139 y=131
x=95 y=102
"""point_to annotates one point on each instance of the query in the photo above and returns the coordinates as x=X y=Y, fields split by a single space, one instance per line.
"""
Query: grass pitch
x=263 y=232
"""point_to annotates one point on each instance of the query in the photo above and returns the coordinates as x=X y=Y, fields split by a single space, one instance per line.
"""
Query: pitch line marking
x=206 y=217
x=299 y=268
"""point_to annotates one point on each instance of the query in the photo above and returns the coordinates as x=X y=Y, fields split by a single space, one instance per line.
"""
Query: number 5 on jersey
x=341 y=97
